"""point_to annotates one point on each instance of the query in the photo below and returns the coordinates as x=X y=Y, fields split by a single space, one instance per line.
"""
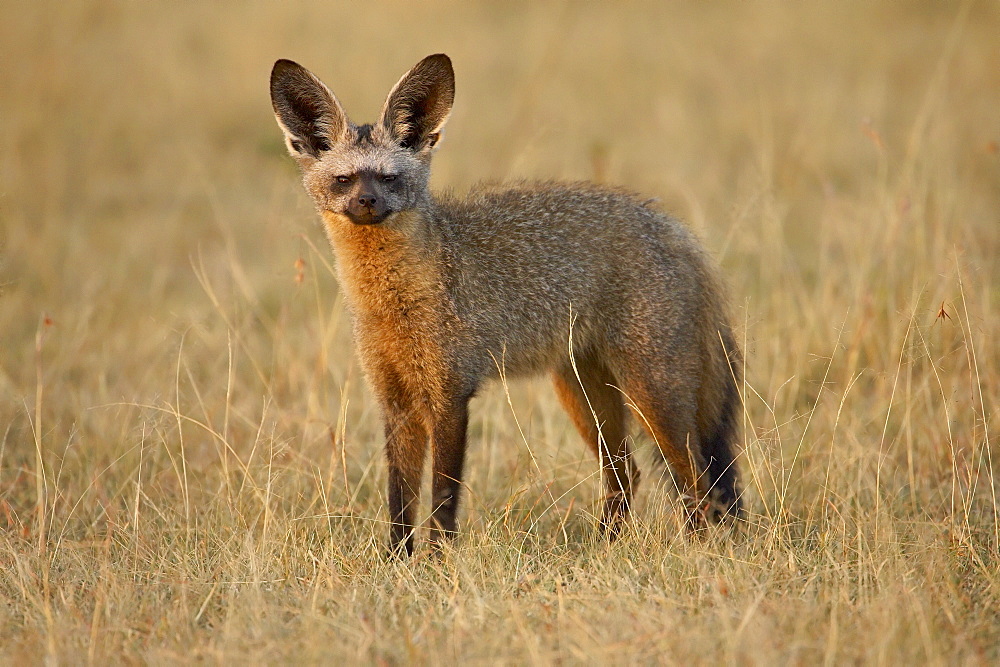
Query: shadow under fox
x=615 y=300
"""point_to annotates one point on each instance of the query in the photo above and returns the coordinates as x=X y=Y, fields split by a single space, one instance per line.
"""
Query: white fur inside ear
x=294 y=146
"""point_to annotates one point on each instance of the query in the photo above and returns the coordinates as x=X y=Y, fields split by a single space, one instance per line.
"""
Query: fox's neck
x=388 y=270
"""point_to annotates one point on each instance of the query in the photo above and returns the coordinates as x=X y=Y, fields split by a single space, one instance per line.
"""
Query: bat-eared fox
x=615 y=300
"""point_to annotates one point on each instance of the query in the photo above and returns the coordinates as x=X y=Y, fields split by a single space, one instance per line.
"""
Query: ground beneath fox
x=191 y=464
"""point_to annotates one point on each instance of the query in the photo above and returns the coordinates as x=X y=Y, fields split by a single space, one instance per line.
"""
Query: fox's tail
x=719 y=445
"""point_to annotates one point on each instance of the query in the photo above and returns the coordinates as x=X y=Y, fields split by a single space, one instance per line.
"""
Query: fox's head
x=364 y=173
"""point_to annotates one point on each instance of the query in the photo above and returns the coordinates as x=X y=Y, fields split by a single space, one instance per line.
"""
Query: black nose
x=367 y=200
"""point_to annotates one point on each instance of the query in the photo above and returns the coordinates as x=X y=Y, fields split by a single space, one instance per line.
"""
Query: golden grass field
x=190 y=462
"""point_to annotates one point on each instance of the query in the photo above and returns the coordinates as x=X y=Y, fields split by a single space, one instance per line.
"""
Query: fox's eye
x=388 y=178
x=344 y=179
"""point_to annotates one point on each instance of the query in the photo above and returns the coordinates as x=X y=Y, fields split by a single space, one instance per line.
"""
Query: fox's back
x=522 y=260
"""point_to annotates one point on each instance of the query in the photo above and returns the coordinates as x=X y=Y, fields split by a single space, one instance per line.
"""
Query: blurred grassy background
x=169 y=390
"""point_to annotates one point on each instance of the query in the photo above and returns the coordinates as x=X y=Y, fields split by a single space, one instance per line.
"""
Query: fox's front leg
x=448 y=438
x=405 y=448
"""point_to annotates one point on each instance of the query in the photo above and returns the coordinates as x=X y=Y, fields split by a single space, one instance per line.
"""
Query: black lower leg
x=620 y=478
x=401 y=509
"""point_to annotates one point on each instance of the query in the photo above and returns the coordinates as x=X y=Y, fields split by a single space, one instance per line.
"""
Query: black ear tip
x=284 y=66
x=440 y=60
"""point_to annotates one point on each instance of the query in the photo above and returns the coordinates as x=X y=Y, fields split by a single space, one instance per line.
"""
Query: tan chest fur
x=397 y=296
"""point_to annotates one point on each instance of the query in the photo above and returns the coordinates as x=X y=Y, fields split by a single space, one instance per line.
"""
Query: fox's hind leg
x=598 y=412
x=659 y=391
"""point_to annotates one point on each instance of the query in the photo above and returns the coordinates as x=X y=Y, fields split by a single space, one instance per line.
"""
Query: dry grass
x=189 y=460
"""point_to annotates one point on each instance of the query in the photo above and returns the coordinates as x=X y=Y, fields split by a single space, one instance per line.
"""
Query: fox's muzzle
x=366 y=216
x=367 y=205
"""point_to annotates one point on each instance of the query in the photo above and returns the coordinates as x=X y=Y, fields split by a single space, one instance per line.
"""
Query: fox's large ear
x=420 y=102
x=308 y=113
